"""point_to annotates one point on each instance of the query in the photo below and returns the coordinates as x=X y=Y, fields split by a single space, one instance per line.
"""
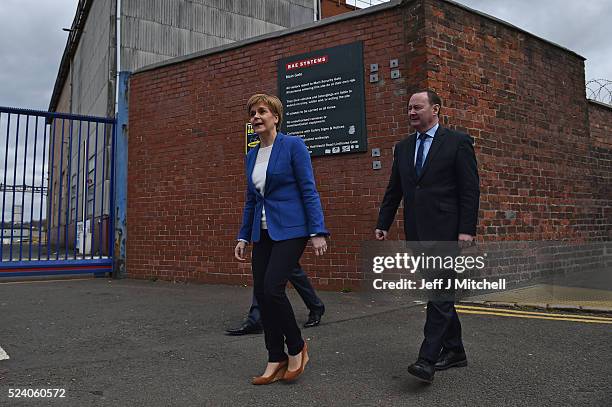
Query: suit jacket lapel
x=250 y=166
x=276 y=147
x=411 y=148
x=438 y=140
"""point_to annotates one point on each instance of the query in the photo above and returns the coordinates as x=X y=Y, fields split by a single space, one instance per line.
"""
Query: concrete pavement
x=141 y=343
x=589 y=291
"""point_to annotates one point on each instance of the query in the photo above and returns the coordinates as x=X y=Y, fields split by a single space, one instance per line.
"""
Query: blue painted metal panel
x=34 y=264
x=119 y=179
x=55 y=273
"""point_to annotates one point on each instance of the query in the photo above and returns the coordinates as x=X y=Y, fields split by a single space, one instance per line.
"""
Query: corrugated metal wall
x=156 y=30
x=151 y=31
x=92 y=63
x=89 y=90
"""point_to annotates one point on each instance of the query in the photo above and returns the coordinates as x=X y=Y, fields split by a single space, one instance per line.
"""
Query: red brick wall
x=330 y=8
x=186 y=140
x=524 y=102
x=600 y=119
x=186 y=178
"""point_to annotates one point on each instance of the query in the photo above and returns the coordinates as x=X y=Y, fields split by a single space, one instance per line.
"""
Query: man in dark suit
x=435 y=173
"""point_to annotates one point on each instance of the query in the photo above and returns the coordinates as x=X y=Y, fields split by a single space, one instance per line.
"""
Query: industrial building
x=112 y=36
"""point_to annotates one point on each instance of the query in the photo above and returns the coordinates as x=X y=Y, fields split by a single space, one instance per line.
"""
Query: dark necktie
x=418 y=166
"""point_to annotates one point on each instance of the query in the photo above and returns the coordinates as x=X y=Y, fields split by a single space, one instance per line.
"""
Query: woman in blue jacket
x=282 y=212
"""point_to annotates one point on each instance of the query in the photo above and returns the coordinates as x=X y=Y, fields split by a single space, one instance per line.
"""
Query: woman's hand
x=240 y=250
x=319 y=244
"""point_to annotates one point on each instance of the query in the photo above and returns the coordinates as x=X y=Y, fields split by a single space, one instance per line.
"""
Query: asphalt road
x=141 y=343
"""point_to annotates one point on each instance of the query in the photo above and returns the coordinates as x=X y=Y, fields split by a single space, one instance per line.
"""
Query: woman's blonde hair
x=274 y=103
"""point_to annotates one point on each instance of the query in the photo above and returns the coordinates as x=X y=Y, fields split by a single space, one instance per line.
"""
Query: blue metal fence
x=57 y=193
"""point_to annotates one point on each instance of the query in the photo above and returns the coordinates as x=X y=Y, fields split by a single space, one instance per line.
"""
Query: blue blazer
x=293 y=207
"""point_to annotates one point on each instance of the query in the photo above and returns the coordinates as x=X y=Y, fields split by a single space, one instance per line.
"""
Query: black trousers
x=273 y=262
x=304 y=288
x=442 y=329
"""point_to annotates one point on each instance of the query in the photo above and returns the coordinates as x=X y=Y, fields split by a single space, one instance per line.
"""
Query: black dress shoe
x=450 y=359
x=246 y=328
x=314 y=319
x=422 y=370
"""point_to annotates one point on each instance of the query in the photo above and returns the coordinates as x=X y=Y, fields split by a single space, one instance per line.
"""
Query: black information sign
x=323 y=96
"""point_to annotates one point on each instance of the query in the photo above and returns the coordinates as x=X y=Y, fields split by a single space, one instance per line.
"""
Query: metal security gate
x=56 y=192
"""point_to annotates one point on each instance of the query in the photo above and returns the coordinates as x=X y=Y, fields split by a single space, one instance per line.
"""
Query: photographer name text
x=440 y=284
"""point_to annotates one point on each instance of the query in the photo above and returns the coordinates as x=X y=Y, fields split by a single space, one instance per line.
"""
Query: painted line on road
x=3 y=354
x=512 y=311
x=500 y=314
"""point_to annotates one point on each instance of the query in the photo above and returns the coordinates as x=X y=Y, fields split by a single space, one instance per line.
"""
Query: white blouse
x=259 y=176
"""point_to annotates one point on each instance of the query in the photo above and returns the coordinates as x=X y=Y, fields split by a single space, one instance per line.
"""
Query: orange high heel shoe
x=291 y=375
x=278 y=374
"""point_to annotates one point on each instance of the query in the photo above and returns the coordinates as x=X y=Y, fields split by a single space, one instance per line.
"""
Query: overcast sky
x=32 y=42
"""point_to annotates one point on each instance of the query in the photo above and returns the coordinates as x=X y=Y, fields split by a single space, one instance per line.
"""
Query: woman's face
x=262 y=119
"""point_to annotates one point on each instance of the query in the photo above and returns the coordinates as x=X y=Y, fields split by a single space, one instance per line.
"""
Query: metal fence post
x=119 y=182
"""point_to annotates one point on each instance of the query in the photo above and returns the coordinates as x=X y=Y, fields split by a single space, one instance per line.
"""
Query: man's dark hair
x=432 y=98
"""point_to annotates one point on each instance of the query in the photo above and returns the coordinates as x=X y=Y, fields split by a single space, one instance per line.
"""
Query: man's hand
x=380 y=234
x=240 y=250
x=319 y=244
x=465 y=240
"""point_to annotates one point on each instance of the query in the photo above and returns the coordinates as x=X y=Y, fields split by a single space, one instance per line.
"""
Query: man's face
x=423 y=116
